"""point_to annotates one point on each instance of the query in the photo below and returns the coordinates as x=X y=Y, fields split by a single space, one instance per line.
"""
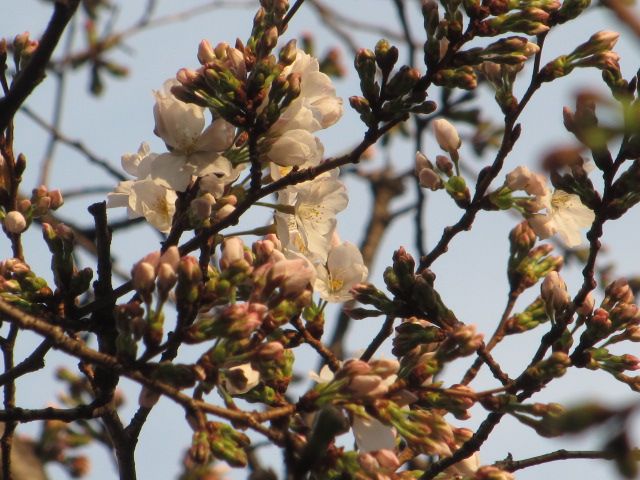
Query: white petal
x=372 y=435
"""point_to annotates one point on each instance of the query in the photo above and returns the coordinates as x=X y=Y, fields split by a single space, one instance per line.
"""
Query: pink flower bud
x=446 y=135
x=554 y=291
x=422 y=162
x=15 y=222
x=370 y=386
x=368 y=463
x=171 y=257
x=387 y=459
x=430 y=179
x=167 y=278
x=232 y=251
x=444 y=164
x=205 y=52
x=224 y=212
x=269 y=351
x=24 y=205
x=186 y=76
x=587 y=306
x=56 y=199
x=203 y=206
x=143 y=275
x=353 y=367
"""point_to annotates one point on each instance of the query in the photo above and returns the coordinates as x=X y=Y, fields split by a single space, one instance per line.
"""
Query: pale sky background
x=471 y=277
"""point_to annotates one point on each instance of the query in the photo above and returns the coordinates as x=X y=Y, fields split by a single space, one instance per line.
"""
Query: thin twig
x=513 y=465
x=385 y=332
x=34 y=71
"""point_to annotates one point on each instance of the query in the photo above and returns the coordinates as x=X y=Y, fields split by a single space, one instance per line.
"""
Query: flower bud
x=444 y=164
x=202 y=206
x=205 y=52
x=232 y=251
x=56 y=199
x=15 y=222
x=143 y=275
x=446 y=135
x=224 y=212
x=387 y=459
x=554 y=292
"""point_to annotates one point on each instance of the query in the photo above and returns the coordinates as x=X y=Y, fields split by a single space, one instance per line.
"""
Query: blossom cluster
x=209 y=162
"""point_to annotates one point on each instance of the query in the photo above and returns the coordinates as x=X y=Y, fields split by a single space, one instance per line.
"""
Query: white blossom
x=325 y=375
x=521 y=178
x=317 y=107
x=344 y=269
x=296 y=147
x=565 y=215
x=139 y=164
x=310 y=228
x=372 y=435
x=192 y=151
x=241 y=379
x=145 y=198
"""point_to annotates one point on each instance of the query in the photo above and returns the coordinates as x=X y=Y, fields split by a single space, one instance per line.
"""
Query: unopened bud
x=446 y=135
x=14 y=222
x=205 y=52
x=202 y=206
x=554 y=292
x=143 y=276
x=444 y=164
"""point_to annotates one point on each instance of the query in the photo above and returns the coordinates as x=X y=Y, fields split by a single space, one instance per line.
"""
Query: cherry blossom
x=315 y=205
x=317 y=107
x=565 y=215
x=145 y=198
x=192 y=151
x=344 y=269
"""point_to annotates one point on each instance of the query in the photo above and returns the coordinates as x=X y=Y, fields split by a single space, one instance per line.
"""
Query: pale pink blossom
x=344 y=269
x=145 y=198
x=295 y=148
x=193 y=152
x=565 y=215
x=317 y=107
x=292 y=277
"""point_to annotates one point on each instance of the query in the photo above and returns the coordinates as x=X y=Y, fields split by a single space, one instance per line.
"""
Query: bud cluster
x=386 y=96
x=20 y=286
x=596 y=52
x=220 y=441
